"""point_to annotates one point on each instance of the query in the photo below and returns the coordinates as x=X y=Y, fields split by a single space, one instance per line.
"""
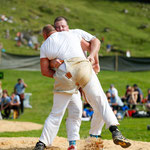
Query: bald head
x=48 y=30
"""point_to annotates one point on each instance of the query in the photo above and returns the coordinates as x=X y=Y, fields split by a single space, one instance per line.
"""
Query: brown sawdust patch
x=60 y=143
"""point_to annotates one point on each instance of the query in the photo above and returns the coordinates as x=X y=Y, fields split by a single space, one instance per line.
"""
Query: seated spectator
x=114 y=94
x=5 y=104
x=140 y=93
x=35 y=42
x=19 y=38
x=87 y=110
x=148 y=101
x=118 y=111
x=15 y=105
x=125 y=98
x=108 y=95
x=148 y=95
x=112 y=102
x=133 y=98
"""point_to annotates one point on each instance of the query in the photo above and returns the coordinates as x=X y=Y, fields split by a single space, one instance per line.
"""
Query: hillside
x=124 y=25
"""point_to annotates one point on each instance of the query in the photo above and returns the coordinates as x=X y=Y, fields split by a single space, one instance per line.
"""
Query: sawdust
x=28 y=143
x=16 y=126
x=60 y=143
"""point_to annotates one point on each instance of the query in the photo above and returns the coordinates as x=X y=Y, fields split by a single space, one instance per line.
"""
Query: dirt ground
x=15 y=126
x=60 y=143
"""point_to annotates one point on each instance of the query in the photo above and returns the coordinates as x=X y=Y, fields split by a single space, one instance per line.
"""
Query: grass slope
x=90 y=15
x=41 y=101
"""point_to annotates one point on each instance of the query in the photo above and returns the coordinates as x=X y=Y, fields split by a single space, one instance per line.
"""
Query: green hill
x=123 y=24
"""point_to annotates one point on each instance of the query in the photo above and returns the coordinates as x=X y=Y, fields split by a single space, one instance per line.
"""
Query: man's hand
x=55 y=63
x=95 y=64
x=91 y=59
x=96 y=68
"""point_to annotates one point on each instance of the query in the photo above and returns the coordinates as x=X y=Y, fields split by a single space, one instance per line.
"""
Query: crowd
x=27 y=38
x=12 y=102
x=133 y=96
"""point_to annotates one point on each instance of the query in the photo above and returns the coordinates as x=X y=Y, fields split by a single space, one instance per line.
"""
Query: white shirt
x=62 y=45
x=85 y=35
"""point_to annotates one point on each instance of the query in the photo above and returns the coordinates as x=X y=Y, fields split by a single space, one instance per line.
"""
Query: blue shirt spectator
x=15 y=99
x=5 y=99
x=20 y=87
x=89 y=112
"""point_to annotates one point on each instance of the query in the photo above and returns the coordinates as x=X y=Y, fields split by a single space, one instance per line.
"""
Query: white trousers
x=98 y=100
x=60 y=102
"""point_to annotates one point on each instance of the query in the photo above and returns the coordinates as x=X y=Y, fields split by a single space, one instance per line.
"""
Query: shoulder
x=16 y=84
x=85 y=35
x=45 y=43
x=76 y=31
x=8 y=98
x=17 y=97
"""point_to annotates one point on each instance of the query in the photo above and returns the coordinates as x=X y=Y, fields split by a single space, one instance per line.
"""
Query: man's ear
x=68 y=27
x=44 y=35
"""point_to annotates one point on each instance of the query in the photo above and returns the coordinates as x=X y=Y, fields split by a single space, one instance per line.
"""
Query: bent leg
x=98 y=100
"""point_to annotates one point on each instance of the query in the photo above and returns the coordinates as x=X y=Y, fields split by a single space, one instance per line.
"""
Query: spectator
x=148 y=101
x=35 y=42
x=1 y=46
x=148 y=95
x=5 y=104
x=5 y=91
x=125 y=98
x=108 y=48
x=115 y=96
x=15 y=104
x=19 y=90
x=128 y=54
x=87 y=110
x=109 y=98
x=118 y=111
x=30 y=44
x=102 y=40
x=19 y=39
x=112 y=102
x=1 y=91
x=7 y=36
x=133 y=98
x=140 y=93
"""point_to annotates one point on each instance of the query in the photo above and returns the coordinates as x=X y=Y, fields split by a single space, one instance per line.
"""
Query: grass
x=90 y=15
x=41 y=101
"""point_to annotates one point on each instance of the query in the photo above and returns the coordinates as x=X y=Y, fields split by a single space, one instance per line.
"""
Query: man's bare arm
x=94 y=49
x=86 y=46
x=93 y=57
x=45 y=68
